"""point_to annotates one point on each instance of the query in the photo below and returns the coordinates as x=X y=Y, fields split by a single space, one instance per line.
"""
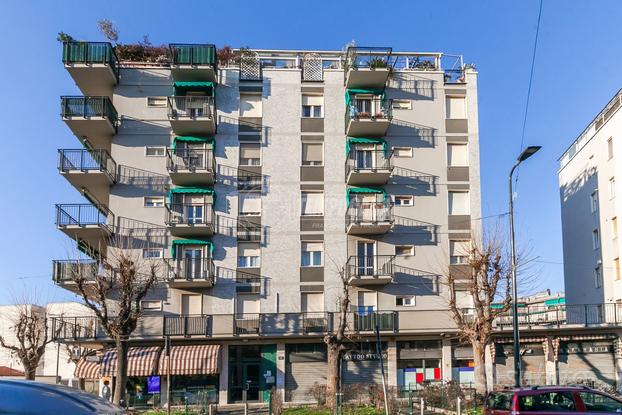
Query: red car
x=551 y=400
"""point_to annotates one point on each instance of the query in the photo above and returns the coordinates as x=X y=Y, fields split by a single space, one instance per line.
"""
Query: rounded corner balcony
x=369 y=212
x=368 y=113
x=90 y=117
x=65 y=272
x=93 y=170
x=370 y=270
x=190 y=161
x=193 y=62
x=367 y=67
x=368 y=162
x=190 y=211
x=192 y=114
x=190 y=272
x=92 y=65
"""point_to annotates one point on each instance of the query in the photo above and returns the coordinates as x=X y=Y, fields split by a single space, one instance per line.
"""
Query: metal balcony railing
x=195 y=107
x=74 y=328
x=316 y=322
x=359 y=160
x=572 y=314
x=247 y=283
x=249 y=180
x=90 y=53
x=367 y=321
x=247 y=324
x=369 y=109
x=192 y=159
x=190 y=269
x=190 y=214
x=187 y=325
x=195 y=55
x=79 y=106
x=248 y=231
x=84 y=214
x=369 y=212
x=64 y=271
x=373 y=266
x=367 y=57
x=86 y=160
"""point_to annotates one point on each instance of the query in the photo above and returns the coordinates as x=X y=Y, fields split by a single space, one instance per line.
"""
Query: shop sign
x=361 y=356
x=153 y=384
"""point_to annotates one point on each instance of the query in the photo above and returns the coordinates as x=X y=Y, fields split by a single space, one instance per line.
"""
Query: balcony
x=190 y=272
x=192 y=115
x=368 y=167
x=190 y=219
x=193 y=62
x=90 y=117
x=247 y=283
x=93 y=170
x=368 y=321
x=187 y=325
x=65 y=272
x=367 y=117
x=88 y=223
x=92 y=65
x=369 y=218
x=367 y=67
x=247 y=324
x=190 y=166
x=366 y=271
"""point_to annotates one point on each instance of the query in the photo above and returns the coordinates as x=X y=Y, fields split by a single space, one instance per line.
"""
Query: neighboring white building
x=587 y=179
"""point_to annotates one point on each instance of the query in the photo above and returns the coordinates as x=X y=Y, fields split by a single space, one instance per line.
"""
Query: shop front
x=362 y=366
x=419 y=362
x=462 y=364
x=533 y=363
x=587 y=361
x=305 y=367
x=252 y=368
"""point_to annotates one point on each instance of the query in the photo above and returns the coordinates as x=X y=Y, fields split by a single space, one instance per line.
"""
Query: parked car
x=550 y=400
x=33 y=398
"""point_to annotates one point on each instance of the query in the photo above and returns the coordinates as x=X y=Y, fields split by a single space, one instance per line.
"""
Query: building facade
x=258 y=183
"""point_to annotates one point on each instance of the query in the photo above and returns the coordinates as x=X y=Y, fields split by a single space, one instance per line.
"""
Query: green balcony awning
x=185 y=86
x=177 y=242
x=364 y=190
x=363 y=140
x=350 y=92
x=191 y=191
x=190 y=139
x=555 y=301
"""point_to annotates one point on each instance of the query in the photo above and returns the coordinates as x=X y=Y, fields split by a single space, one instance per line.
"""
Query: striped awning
x=192 y=360
x=141 y=361
x=86 y=369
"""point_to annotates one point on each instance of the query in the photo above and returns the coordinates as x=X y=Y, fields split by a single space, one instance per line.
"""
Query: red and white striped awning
x=86 y=369
x=141 y=361
x=192 y=360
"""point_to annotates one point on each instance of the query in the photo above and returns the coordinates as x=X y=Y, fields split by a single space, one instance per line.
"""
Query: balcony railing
x=187 y=325
x=88 y=107
x=248 y=231
x=572 y=314
x=189 y=214
x=367 y=321
x=90 y=53
x=372 y=266
x=368 y=160
x=190 y=269
x=248 y=180
x=74 y=328
x=364 y=57
x=64 y=271
x=195 y=107
x=369 y=109
x=192 y=159
x=247 y=283
x=369 y=212
x=194 y=55
x=316 y=322
x=247 y=324
x=84 y=214
x=86 y=160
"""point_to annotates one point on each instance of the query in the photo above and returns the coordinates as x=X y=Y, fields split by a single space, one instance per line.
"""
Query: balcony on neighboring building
x=189 y=272
x=190 y=219
x=92 y=118
x=87 y=223
x=368 y=162
x=369 y=320
x=92 y=65
x=93 y=170
x=368 y=113
x=190 y=166
x=65 y=273
x=370 y=214
x=192 y=115
x=370 y=270
x=193 y=62
x=367 y=67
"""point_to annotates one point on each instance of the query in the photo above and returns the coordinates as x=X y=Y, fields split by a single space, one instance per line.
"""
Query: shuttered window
x=249 y=204
x=312 y=203
x=250 y=154
x=312 y=154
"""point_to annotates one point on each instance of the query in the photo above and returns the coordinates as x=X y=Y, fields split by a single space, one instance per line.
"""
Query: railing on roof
x=194 y=55
x=367 y=57
x=91 y=53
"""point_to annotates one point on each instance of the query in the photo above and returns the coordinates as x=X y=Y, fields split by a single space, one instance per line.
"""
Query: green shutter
x=365 y=190
x=363 y=140
x=190 y=139
x=185 y=86
x=177 y=242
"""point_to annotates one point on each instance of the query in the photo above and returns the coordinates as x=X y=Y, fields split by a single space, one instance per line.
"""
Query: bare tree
x=108 y=29
x=114 y=296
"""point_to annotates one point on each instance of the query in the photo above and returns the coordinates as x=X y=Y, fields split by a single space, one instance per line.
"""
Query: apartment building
x=590 y=211
x=257 y=183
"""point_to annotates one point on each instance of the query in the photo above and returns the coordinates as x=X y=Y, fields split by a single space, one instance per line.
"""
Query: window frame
x=163 y=148
x=594 y=201
x=242 y=112
x=311 y=107
x=595 y=239
x=395 y=151
x=448 y=98
x=612 y=188
x=302 y=144
x=161 y=198
x=598 y=277
x=151 y=105
x=411 y=298
x=450 y=203
x=156 y=308
x=254 y=195
x=408 y=106
x=240 y=155
x=149 y=258
x=409 y=246
x=302 y=213
x=312 y=263
x=610 y=152
x=400 y=197
x=450 y=161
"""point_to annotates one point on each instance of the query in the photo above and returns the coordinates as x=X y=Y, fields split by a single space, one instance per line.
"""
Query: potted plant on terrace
x=377 y=63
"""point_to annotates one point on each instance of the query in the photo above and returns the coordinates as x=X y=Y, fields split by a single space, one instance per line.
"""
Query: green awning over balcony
x=191 y=190
x=190 y=139
x=364 y=190
x=363 y=140
x=350 y=92
x=185 y=86
x=177 y=242
x=555 y=301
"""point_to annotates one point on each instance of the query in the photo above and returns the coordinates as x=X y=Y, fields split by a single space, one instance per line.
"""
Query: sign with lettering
x=153 y=384
x=354 y=356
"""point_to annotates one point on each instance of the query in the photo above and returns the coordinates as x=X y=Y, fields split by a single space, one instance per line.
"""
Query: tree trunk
x=29 y=372
x=119 y=387
x=479 y=358
x=332 y=376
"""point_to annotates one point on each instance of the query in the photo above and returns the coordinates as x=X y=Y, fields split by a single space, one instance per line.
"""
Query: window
x=401 y=104
x=547 y=402
x=249 y=204
x=598 y=277
x=156 y=101
x=312 y=203
x=455 y=107
x=614 y=228
x=152 y=253
x=595 y=239
x=459 y=203
x=405 y=250
x=403 y=200
x=405 y=301
x=312 y=106
x=249 y=256
x=610 y=148
x=501 y=401
x=153 y=201
x=149 y=305
x=594 y=201
x=595 y=402
x=250 y=105
x=616 y=267
x=612 y=188
x=155 y=151
x=402 y=151
x=250 y=154
x=312 y=154
x=312 y=302
x=457 y=155
x=459 y=252
x=311 y=254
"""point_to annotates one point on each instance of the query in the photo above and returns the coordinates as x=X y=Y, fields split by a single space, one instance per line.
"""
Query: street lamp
x=528 y=152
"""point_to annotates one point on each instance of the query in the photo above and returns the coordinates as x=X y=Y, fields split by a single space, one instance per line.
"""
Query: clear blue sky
x=577 y=71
